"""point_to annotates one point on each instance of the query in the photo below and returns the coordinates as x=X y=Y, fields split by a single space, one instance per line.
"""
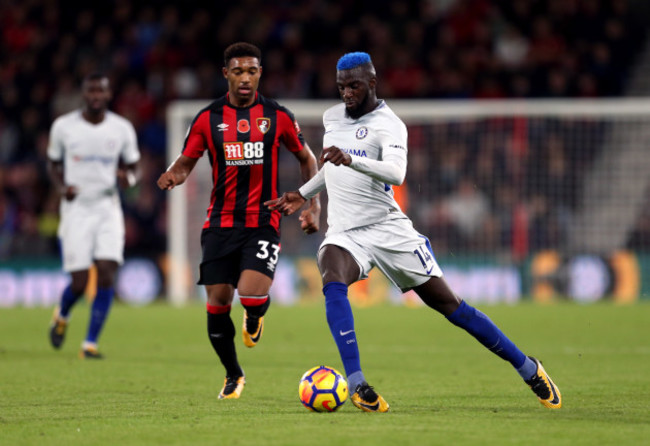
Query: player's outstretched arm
x=288 y=203
x=177 y=173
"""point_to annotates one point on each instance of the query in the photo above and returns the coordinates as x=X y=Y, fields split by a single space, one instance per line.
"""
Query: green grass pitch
x=159 y=382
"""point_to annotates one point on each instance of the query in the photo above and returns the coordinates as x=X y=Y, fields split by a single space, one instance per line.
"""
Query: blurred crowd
x=158 y=51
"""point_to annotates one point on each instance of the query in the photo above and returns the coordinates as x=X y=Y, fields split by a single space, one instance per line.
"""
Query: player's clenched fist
x=335 y=156
x=167 y=181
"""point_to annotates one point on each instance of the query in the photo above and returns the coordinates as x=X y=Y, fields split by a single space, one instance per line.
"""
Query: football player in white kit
x=92 y=151
x=365 y=152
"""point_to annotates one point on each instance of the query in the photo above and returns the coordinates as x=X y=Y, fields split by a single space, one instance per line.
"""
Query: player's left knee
x=437 y=295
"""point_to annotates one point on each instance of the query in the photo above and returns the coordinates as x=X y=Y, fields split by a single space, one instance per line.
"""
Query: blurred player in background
x=241 y=132
x=91 y=152
x=365 y=153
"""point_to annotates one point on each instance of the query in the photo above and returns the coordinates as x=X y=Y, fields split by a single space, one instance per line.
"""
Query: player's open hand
x=335 y=156
x=287 y=204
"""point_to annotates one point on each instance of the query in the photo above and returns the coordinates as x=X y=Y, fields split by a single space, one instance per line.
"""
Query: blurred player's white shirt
x=90 y=152
x=92 y=224
x=354 y=198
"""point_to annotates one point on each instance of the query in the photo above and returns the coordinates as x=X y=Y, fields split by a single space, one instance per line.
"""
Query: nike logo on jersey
x=216 y=335
x=343 y=333
x=222 y=127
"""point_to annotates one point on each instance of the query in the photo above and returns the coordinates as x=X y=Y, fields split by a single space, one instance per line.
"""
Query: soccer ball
x=322 y=389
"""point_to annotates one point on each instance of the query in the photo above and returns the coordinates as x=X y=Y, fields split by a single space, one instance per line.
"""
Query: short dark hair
x=241 y=49
x=94 y=76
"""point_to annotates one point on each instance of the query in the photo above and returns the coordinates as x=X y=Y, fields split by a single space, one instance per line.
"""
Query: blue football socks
x=528 y=369
x=487 y=333
x=99 y=312
x=68 y=299
x=355 y=380
x=341 y=323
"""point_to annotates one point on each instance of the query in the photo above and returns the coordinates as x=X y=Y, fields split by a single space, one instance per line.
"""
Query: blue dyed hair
x=353 y=60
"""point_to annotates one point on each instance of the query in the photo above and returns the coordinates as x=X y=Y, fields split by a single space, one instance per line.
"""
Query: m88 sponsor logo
x=243 y=153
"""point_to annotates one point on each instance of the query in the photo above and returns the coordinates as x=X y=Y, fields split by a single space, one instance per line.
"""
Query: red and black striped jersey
x=243 y=145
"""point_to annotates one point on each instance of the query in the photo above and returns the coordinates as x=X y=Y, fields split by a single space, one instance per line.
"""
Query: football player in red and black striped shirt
x=241 y=133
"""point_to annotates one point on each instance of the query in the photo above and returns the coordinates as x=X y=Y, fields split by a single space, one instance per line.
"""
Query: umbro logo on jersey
x=222 y=127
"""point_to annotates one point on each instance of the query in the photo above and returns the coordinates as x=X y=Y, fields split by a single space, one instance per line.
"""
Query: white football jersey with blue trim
x=90 y=152
x=355 y=198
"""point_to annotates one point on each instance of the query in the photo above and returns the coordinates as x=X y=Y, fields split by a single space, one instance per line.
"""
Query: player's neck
x=370 y=105
x=93 y=117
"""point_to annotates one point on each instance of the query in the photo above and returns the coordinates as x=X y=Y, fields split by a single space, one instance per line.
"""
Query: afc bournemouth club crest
x=263 y=124
x=243 y=126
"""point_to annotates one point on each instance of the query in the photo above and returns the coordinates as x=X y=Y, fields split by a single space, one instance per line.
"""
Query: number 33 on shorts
x=272 y=255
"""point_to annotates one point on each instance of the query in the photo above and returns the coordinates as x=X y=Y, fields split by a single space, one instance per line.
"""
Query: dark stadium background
x=157 y=52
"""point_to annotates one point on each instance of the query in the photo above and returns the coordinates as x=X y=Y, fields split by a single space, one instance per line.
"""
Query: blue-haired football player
x=365 y=153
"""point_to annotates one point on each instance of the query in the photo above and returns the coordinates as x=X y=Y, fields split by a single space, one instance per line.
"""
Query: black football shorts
x=229 y=251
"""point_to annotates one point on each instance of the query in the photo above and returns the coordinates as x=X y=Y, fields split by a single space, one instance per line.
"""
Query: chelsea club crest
x=362 y=132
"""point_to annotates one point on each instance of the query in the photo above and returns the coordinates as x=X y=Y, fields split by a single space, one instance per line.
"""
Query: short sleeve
x=130 y=152
x=290 y=131
x=55 y=144
x=196 y=140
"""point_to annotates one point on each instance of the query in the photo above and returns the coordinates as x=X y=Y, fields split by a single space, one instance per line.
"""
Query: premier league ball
x=322 y=389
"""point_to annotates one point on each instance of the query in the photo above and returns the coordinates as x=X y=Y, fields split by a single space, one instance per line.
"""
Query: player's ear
x=260 y=70
x=224 y=70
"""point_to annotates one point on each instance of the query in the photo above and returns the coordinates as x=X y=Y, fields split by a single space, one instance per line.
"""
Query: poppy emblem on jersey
x=362 y=132
x=263 y=124
x=243 y=126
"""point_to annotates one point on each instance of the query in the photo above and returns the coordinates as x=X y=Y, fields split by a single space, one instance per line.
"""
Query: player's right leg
x=76 y=237
x=221 y=332
x=339 y=269
x=219 y=272
x=71 y=294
